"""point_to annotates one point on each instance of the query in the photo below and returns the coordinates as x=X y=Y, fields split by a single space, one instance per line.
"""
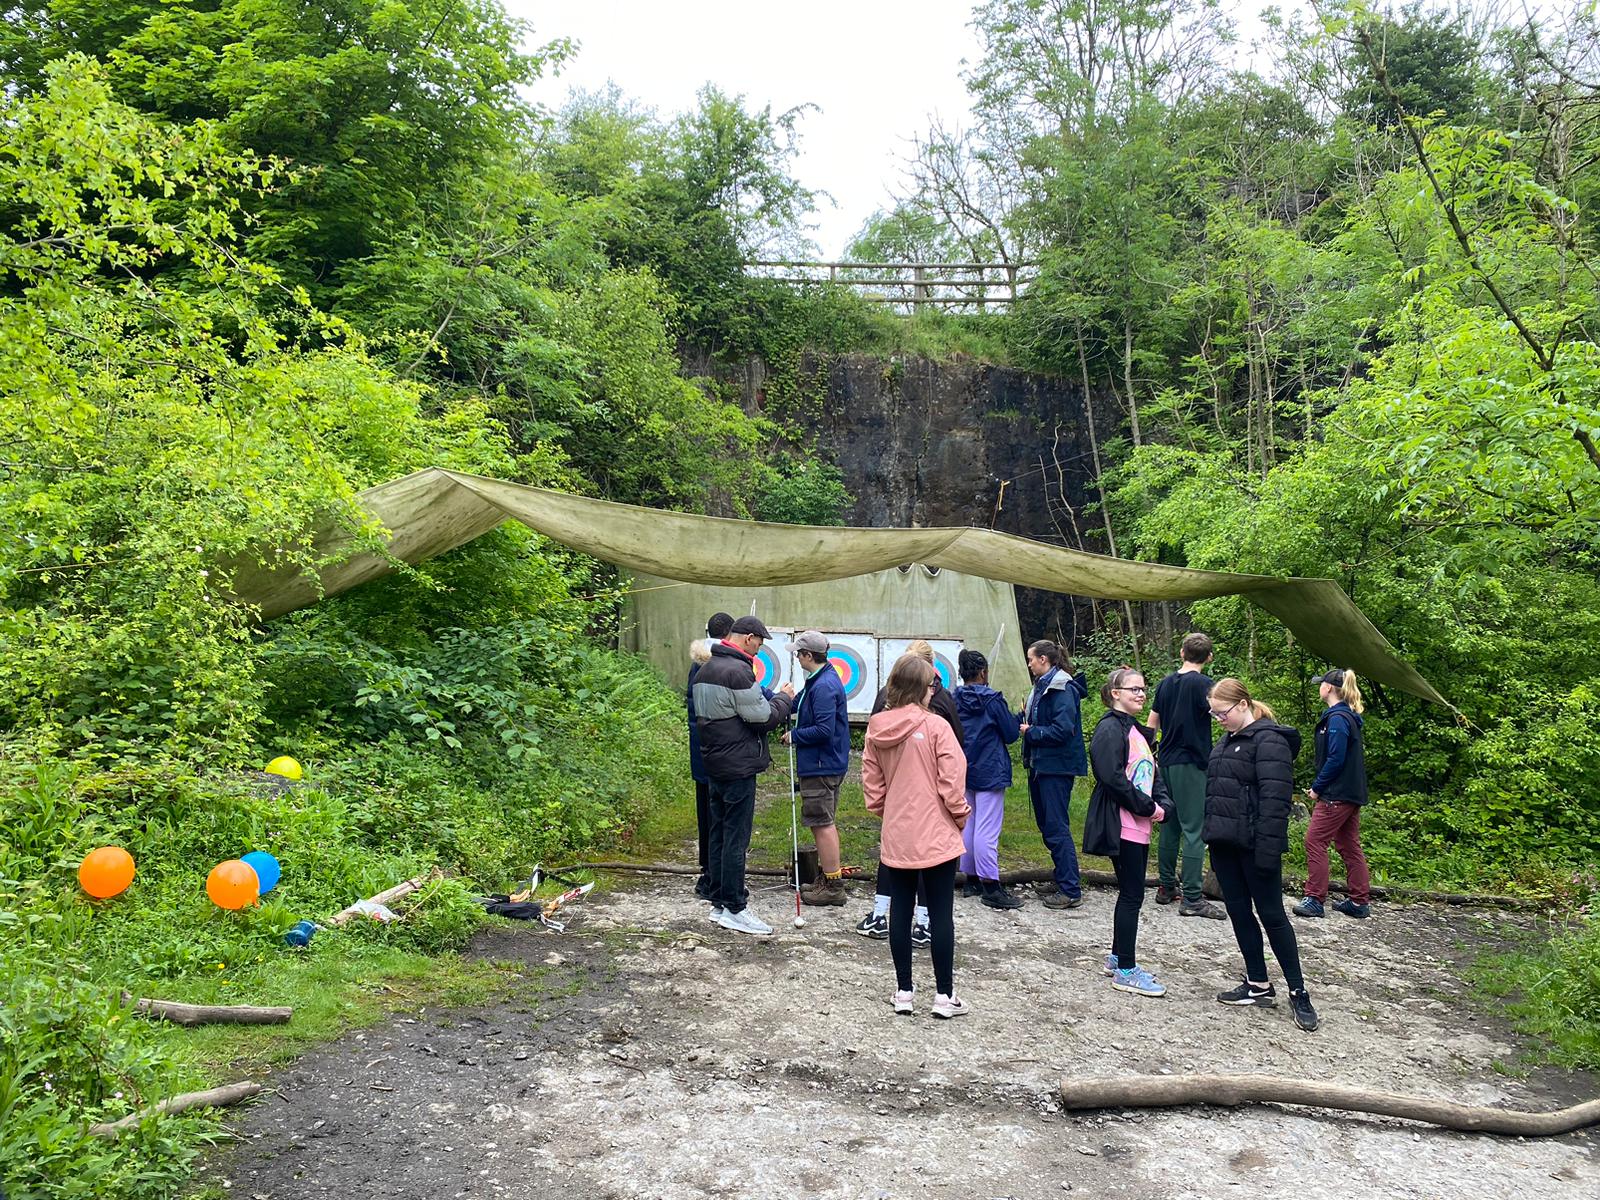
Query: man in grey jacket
x=735 y=715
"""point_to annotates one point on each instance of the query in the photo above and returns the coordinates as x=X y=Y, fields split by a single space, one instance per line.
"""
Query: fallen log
x=1170 y=1091
x=207 y=1014
x=218 y=1097
x=387 y=896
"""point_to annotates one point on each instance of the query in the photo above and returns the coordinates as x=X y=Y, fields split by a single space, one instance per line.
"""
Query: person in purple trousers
x=988 y=727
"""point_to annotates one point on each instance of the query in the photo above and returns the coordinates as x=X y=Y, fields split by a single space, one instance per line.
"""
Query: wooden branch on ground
x=1168 y=1091
x=207 y=1014
x=388 y=896
x=219 y=1097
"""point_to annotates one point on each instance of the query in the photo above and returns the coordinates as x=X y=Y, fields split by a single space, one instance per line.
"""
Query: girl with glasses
x=1129 y=795
x=1249 y=788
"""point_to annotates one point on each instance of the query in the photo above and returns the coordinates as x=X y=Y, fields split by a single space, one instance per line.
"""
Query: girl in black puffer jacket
x=1249 y=788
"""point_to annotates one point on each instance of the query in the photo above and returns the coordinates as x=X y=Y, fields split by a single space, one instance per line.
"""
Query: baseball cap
x=813 y=641
x=1334 y=677
x=751 y=625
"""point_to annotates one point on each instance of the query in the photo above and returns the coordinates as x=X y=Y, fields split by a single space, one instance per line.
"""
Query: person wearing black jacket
x=876 y=923
x=1129 y=795
x=716 y=629
x=1249 y=789
x=989 y=727
x=1052 y=751
x=735 y=714
x=1337 y=795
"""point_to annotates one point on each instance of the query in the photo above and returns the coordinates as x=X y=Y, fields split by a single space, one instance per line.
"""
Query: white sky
x=876 y=68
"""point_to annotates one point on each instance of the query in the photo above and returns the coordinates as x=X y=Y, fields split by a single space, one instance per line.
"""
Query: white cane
x=794 y=840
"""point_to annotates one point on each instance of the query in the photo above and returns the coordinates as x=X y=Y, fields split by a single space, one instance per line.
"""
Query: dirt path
x=649 y=1054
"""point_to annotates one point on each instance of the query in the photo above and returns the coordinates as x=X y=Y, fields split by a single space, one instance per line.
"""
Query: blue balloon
x=266 y=868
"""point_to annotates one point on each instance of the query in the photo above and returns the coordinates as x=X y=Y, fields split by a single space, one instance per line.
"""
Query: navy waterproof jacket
x=821 y=734
x=1053 y=744
x=989 y=727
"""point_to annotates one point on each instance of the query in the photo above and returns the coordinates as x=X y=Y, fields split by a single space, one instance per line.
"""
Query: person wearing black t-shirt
x=1181 y=712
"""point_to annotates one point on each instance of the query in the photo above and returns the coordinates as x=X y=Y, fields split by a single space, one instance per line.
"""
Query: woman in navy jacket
x=989 y=726
x=821 y=740
x=1052 y=750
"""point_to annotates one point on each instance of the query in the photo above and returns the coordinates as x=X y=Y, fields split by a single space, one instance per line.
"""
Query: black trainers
x=972 y=887
x=1202 y=908
x=1059 y=899
x=874 y=927
x=1304 y=1015
x=919 y=934
x=1166 y=894
x=1351 y=909
x=1245 y=996
x=995 y=896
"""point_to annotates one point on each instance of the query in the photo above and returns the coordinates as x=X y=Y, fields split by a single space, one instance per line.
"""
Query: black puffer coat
x=1249 y=788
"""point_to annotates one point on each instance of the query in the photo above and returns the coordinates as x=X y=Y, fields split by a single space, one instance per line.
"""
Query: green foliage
x=808 y=494
x=1552 y=991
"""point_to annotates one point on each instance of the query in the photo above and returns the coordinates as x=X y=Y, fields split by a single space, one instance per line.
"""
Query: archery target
x=945 y=653
x=855 y=657
x=772 y=660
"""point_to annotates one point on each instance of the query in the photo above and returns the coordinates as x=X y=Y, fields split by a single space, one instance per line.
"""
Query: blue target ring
x=947 y=675
x=852 y=670
x=766 y=666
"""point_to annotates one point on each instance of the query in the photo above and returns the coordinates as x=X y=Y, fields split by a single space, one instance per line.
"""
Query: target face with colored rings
x=947 y=673
x=766 y=667
x=851 y=668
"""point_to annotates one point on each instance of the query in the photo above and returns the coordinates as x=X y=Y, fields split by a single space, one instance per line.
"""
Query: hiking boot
x=1351 y=909
x=902 y=1003
x=1138 y=981
x=1245 y=996
x=874 y=927
x=1304 y=1015
x=945 y=1007
x=1166 y=894
x=972 y=887
x=824 y=891
x=744 y=921
x=702 y=888
x=995 y=896
x=1201 y=908
x=1309 y=907
x=920 y=935
x=715 y=915
x=1059 y=899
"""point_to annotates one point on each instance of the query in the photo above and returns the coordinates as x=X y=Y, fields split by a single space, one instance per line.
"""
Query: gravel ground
x=646 y=1053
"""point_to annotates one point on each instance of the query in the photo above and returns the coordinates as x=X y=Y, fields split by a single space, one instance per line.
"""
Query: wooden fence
x=977 y=286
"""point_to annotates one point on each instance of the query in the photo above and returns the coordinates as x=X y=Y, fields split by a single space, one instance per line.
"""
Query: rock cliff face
x=966 y=443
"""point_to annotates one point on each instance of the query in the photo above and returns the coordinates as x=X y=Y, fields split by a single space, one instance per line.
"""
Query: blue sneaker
x=1309 y=907
x=1109 y=967
x=1351 y=909
x=1138 y=981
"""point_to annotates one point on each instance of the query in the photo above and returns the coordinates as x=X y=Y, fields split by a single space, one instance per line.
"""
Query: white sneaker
x=715 y=915
x=744 y=921
x=902 y=1003
x=945 y=1007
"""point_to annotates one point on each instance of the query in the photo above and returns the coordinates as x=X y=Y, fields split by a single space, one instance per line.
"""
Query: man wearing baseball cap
x=821 y=739
x=735 y=714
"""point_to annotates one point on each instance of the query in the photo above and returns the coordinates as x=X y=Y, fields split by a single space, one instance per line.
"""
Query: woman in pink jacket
x=914 y=775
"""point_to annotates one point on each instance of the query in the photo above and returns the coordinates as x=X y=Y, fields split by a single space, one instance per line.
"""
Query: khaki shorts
x=819 y=800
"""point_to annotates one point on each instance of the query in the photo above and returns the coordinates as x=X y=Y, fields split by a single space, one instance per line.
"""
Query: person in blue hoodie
x=1053 y=752
x=989 y=727
x=1337 y=795
x=821 y=740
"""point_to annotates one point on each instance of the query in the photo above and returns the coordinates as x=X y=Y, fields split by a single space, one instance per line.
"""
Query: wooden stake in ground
x=1170 y=1091
x=208 y=1014
x=219 y=1097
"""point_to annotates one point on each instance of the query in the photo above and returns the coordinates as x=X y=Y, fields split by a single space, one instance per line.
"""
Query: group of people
x=936 y=765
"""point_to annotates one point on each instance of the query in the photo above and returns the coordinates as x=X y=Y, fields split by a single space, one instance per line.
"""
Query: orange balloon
x=233 y=885
x=106 y=872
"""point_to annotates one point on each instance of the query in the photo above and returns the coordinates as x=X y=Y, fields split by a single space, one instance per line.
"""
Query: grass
x=1551 y=990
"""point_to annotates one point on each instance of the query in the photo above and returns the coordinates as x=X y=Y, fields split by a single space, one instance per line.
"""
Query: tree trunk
x=1127 y=380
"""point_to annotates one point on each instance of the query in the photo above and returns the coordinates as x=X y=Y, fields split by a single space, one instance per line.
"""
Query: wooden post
x=920 y=292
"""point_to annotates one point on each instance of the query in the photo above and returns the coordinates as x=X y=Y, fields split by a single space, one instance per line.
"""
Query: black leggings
x=1130 y=865
x=940 y=882
x=1245 y=884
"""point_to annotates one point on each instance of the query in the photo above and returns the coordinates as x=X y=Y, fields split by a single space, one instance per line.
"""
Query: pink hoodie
x=914 y=775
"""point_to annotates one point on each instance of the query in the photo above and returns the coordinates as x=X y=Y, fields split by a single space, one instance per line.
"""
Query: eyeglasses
x=1217 y=716
x=1140 y=690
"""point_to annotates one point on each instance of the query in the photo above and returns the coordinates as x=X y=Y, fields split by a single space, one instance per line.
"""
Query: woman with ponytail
x=1337 y=796
x=1249 y=788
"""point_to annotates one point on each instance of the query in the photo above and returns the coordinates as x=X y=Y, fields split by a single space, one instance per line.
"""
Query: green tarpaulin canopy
x=432 y=511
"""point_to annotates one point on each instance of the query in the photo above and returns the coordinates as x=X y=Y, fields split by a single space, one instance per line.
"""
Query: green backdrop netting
x=432 y=511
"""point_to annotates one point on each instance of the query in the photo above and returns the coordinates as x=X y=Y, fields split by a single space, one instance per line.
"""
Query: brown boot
x=824 y=891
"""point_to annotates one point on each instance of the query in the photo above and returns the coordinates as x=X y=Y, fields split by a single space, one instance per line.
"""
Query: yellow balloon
x=233 y=885
x=106 y=872
x=285 y=766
